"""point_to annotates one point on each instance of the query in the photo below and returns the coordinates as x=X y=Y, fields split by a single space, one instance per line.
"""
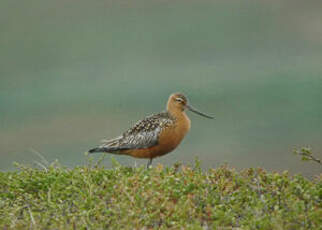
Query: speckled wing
x=144 y=134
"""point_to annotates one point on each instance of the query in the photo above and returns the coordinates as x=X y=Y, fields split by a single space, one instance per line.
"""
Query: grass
x=179 y=197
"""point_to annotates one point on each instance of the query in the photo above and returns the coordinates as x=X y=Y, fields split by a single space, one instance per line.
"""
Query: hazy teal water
x=72 y=74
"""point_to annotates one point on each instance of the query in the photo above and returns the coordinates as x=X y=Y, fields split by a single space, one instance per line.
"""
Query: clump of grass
x=176 y=197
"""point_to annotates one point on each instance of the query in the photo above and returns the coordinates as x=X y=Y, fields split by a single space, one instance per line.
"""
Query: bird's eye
x=179 y=100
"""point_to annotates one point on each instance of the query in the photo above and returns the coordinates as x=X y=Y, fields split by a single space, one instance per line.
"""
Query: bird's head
x=179 y=102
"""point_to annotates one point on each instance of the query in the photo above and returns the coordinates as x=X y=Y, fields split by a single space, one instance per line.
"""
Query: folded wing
x=144 y=134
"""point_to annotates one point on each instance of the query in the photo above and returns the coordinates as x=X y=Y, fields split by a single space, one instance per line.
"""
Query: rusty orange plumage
x=156 y=135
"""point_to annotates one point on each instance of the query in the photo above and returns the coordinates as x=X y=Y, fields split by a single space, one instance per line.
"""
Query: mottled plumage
x=155 y=135
x=143 y=134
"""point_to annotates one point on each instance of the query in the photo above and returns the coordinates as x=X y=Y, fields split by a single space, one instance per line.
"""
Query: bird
x=155 y=135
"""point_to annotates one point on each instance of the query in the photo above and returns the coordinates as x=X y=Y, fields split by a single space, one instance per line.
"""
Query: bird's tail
x=96 y=150
x=108 y=146
x=104 y=149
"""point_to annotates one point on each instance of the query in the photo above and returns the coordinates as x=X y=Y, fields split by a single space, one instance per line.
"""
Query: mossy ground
x=179 y=197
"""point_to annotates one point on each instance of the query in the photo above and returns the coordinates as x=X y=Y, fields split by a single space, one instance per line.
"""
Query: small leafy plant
x=307 y=155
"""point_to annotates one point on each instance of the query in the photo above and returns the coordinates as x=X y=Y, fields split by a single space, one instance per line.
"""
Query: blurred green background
x=75 y=72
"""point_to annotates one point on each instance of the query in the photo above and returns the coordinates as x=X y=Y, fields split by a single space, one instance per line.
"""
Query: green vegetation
x=307 y=155
x=91 y=197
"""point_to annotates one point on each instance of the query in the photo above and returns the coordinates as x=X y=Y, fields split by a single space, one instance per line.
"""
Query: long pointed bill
x=197 y=112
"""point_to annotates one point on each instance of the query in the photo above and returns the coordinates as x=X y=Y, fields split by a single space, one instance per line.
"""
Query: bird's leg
x=149 y=163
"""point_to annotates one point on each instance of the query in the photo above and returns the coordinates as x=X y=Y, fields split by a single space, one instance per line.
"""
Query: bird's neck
x=174 y=110
x=182 y=120
x=177 y=113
